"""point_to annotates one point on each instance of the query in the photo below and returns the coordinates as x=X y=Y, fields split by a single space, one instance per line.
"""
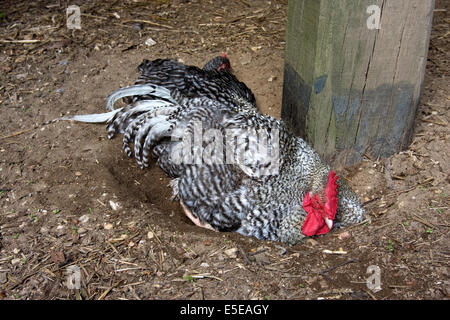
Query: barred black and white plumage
x=254 y=192
x=214 y=81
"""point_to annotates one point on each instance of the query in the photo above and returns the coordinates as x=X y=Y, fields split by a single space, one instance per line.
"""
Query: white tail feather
x=141 y=106
x=93 y=118
x=136 y=90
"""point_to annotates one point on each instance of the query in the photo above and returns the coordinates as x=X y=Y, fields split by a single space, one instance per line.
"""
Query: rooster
x=232 y=168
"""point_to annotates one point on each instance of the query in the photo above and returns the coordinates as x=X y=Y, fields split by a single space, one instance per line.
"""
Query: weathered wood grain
x=350 y=90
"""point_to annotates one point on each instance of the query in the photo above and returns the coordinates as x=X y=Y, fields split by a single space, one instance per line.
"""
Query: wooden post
x=353 y=74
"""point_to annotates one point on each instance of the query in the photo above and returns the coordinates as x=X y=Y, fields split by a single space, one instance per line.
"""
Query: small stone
x=150 y=42
x=114 y=205
x=323 y=284
x=3 y=278
x=83 y=218
x=108 y=226
x=20 y=59
x=231 y=253
x=16 y=261
x=78 y=173
x=121 y=238
x=344 y=235
x=138 y=26
x=21 y=76
x=204 y=265
x=150 y=235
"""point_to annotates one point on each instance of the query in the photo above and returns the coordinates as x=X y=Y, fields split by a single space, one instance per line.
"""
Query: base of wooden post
x=351 y=90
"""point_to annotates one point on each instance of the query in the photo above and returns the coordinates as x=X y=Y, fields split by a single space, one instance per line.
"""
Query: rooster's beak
x=329 y=223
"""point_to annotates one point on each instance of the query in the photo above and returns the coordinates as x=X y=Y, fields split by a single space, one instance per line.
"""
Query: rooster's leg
x=194 y=219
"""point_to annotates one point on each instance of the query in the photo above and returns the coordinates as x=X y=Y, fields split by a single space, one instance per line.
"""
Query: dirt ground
x=71 y=197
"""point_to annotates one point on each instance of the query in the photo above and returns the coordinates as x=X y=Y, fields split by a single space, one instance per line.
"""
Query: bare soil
x=71 y=197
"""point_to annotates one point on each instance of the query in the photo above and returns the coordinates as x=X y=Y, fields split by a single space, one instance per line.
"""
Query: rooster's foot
x=194 y=219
